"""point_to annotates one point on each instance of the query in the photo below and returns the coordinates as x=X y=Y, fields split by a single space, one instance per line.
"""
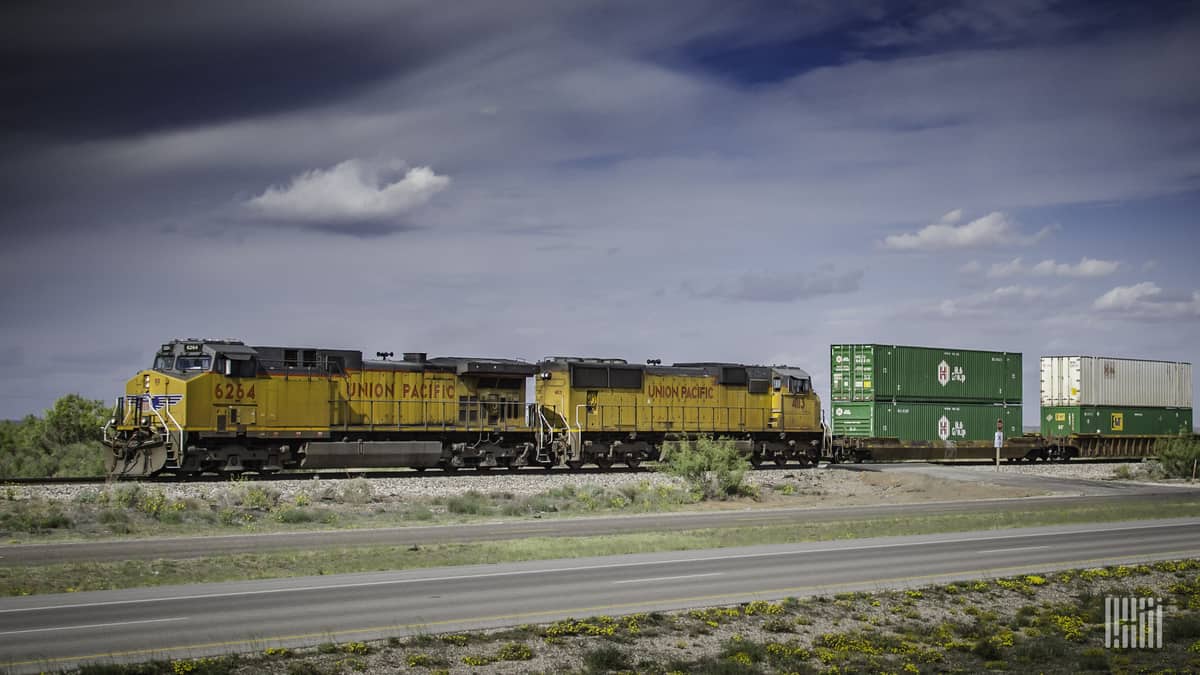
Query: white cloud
x=987 y=303
x=952 y=217
x=354 y=190
x=994 y=229
x=1008 y=269
x=1146 y=300
x=1085 y=268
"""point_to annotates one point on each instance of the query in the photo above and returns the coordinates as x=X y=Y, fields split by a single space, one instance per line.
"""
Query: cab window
x=164 y=362
x=193 y=363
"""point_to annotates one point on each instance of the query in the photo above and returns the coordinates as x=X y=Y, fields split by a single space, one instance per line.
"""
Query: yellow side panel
x=801 y=412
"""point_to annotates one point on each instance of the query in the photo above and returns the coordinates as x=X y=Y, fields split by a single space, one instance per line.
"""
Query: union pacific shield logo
x=156 y=402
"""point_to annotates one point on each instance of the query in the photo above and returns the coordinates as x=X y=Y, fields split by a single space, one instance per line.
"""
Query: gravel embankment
x=434 y=486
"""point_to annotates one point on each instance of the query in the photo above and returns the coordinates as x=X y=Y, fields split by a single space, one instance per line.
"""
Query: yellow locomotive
x=606 y=411
x=223 y=406
x=219 y=405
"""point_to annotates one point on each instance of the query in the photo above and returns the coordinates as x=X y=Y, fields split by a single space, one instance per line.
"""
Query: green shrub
x=34 y=517
x=605 y=659
x=1182 y=627
x=1178 y=456
x=357 y=491
x=151 y=502
x=126 y=495
x=472 y=503
x=514 y=651
x=292 y=516
x=714 y=468
x=259 y=497
x=418 y=512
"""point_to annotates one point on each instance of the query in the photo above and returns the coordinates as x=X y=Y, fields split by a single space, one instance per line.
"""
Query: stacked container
x=923 y=393
x=1115 y=397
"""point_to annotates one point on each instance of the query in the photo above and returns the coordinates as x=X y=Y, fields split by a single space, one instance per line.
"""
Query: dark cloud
x=65 y=77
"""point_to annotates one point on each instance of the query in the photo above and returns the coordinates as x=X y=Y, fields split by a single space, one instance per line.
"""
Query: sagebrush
x=712 y=467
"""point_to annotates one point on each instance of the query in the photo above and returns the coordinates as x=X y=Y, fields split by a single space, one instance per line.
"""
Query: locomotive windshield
x=193 y=363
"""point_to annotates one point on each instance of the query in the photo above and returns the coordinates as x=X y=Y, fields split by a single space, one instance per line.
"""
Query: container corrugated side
x=917 y=421
x=870 y=372
x=1103 y=381
x=1060 y=421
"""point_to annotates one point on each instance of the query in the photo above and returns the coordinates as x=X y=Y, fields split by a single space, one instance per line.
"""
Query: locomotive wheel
x=575 y=464
x=632 y=462
x=756 y=460
x=604 y=462
x=780 y=460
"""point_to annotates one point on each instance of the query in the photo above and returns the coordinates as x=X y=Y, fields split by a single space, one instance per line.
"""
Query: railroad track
x=468 y=473
x=327 y=475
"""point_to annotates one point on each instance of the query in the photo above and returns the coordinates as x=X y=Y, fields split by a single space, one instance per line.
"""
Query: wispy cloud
x=350 y=193
x=994 y=229
x=1085 y=268
x=987 y=303
x=1146 y=300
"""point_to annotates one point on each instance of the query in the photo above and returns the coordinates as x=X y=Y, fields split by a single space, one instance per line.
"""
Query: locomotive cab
x=147 y=431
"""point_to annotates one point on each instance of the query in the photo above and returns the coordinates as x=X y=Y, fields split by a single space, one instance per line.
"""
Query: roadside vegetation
x=712 y=468
x=137 y=509
x=63 y=442
x=86 y=576
x=1051 y=622
x=1179 y=457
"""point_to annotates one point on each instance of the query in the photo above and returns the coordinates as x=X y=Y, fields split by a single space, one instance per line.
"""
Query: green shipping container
x=1059 y=421
x=926 y=421
x=864 y=373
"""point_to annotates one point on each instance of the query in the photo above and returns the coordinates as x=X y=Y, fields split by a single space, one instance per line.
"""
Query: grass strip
x=74 y=577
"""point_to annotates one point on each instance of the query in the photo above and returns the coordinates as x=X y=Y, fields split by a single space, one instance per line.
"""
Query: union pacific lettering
x=378 y=390
x=697 y=392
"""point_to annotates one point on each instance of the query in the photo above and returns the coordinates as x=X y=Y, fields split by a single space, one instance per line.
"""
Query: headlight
x=146 y=382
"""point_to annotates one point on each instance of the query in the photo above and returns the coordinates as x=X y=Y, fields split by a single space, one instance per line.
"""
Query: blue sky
x=685 y=181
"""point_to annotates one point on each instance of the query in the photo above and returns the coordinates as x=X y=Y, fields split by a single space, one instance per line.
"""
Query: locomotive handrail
x=678 y=417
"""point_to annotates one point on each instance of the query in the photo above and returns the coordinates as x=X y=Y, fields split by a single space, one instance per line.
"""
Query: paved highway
x=193 y=547
x=50 y=632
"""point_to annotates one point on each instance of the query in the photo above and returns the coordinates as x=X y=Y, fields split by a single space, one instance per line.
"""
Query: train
x=222 y=406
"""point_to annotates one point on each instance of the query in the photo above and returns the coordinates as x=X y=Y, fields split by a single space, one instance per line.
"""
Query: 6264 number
x=235 y=393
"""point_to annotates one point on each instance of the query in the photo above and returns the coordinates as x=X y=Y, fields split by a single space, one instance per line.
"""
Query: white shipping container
x=1097 y=380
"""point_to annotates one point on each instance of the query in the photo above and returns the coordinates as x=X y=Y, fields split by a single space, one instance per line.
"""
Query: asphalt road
x=194 y=547
x=51 y=632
